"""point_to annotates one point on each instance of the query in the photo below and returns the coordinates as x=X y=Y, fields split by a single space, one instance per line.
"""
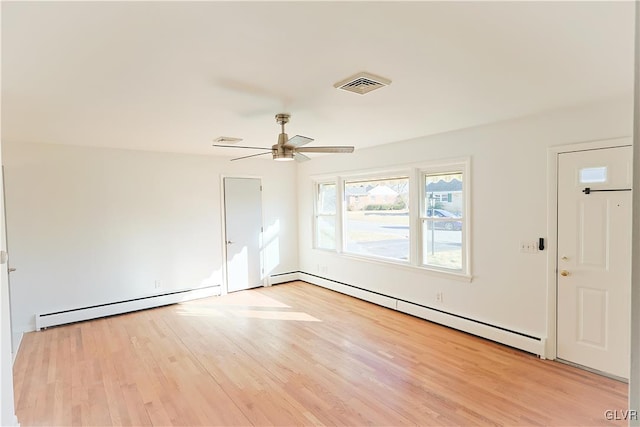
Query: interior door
x=7 y=347
x=594 y=259
x=4 y=259
x=243 y=231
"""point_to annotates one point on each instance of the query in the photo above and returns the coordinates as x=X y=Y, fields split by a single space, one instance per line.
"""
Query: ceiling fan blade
x=239 y=146
x=332 y=149
x=299 y=157
x=253 y=155
x=298 y=141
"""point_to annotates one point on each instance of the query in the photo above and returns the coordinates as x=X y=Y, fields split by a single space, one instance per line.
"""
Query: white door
x=594 y=259
x=7 y=416
x=243 y=231
x=4 y=259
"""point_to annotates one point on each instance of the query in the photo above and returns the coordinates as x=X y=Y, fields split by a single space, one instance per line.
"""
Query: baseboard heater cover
x=278 y=278
x=110 y=309
x=514 y=339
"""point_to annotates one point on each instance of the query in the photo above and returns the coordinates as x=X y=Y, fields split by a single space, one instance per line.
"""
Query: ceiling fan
x=290 y=148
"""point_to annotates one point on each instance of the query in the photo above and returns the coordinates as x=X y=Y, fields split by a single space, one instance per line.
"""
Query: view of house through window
x=326 y=216
x=442 y=219
x=376 y=219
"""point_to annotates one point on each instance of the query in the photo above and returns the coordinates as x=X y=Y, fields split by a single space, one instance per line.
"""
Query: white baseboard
x=493 y=333
x=364 y=295
x=512 y=339
x=76 y=315
x=283 y=278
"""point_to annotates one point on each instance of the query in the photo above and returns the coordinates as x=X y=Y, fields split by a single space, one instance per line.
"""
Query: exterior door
x=243 y=231
x=594 y=259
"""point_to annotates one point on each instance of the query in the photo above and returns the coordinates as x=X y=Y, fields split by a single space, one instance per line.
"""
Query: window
x=370 y=216
x=325 y=225
x=442 y=218
x=376 y=218
x=593 y=175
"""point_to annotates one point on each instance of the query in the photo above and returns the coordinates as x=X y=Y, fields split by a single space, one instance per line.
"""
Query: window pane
x=442 y=244
x=443 y=195
x=327 y=199
x=377 y=218
x=442 y=224
x=593 y=175
x=326 y=232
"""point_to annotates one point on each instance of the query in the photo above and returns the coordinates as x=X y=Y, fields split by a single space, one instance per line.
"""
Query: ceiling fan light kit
x=281 y=154
x=285 y=149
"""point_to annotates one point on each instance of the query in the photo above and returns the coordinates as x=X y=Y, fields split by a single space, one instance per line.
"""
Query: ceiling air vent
x=227 y=140
x=362 y=83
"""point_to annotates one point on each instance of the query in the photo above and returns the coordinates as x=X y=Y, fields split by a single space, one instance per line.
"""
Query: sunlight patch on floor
x=249 y=304
x=276 y=315
x=249 y=298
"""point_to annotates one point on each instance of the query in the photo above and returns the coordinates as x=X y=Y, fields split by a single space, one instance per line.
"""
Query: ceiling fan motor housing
x=279 y=151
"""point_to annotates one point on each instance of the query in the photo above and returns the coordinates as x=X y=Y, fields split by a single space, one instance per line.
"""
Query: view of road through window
x=377 y=218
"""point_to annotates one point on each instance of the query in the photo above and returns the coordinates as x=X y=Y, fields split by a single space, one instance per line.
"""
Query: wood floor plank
x=293 y=354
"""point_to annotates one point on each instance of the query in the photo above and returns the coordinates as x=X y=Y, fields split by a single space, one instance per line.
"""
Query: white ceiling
x=172 y=76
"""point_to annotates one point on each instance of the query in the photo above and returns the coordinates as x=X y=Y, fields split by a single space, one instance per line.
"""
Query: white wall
x=89 y=226
x=509 y=205
x=634 y=380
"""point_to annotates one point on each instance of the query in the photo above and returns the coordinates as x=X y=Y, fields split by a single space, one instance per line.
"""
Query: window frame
x=317 y=214
x=415 y=172
x=463 y=168
x=376 y=176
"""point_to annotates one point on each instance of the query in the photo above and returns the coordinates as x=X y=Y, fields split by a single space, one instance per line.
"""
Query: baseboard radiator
x=103 y=310
x=514 y=339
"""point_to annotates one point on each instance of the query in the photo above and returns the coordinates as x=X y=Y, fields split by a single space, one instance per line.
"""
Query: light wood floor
x=293 y=354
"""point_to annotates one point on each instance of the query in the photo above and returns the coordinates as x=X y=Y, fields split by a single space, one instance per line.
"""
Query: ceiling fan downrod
x=280 y=152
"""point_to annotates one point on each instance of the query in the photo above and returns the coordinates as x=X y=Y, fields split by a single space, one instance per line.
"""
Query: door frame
x=223 y=215
x=553 y=153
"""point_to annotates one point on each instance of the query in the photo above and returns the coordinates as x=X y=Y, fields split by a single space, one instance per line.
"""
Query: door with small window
x=594 y=259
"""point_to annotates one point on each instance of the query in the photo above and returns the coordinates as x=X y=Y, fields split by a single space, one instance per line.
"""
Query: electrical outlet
x=158 y=284
x=439 y=297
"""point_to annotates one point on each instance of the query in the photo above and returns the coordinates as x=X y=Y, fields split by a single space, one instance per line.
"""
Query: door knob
x=564 y=273
x=565 y=258
x=229 y=242
x=11 y=270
